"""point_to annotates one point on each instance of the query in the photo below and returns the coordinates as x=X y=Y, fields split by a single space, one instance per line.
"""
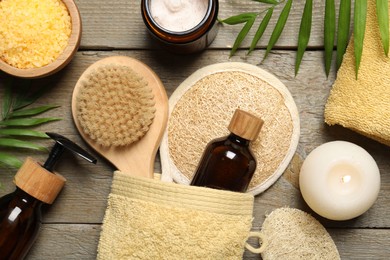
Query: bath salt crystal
x=35 y=32
x=178 y=15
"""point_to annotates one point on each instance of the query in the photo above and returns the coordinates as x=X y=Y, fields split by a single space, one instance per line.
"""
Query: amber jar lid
x=39 y=182
x=245 y=125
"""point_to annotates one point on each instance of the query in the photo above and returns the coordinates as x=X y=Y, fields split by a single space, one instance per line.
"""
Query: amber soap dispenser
x=227 y=162
x=36 y=184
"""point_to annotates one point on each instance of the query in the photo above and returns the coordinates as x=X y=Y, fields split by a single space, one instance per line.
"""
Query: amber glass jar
x=187 y=40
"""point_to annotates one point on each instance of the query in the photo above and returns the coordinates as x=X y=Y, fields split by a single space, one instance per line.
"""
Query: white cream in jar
x=181 y=26
x=178 y=15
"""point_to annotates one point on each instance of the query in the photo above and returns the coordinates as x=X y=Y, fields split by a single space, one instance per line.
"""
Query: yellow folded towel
x=149 y=219
x=363 y=105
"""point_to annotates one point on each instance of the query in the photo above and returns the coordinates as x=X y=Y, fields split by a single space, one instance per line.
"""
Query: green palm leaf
x=241 y=36
x=22 y=133
x=382 y=11
x=237 y=19
x=278 y=27
x=329 y=33
x=27 y=95
x=31 y=111
x=260 y=31
x=16 y=118
x=341 y=33
x=27 y=121
x=16 y=143
x=304 y=33
x=343 y=30
x=10 y=160
x=7 y=99
x=248 y=19
x=359 y=30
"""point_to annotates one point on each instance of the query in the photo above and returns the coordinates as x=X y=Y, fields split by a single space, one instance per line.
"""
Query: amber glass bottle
x=36 y=184
x=18 y=211
x=228 y=163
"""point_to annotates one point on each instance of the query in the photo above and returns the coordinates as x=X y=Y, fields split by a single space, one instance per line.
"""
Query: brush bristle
x=115 y=106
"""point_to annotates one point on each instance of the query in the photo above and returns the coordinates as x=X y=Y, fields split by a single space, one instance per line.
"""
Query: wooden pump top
x=39 y=182
x=245 y=125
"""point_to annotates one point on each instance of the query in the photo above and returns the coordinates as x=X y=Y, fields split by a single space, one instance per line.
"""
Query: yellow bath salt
x=33 y=33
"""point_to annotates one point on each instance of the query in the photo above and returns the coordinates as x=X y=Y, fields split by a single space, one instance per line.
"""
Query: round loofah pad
x=294 y=234
x=202 y=107
x=115 y=106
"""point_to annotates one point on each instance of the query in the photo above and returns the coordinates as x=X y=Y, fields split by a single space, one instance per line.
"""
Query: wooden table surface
x=71 y=226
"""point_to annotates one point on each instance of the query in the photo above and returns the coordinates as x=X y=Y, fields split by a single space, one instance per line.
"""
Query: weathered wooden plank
x=66 y=241
x=72 y=225
x=72 y=241
x=362 y=243
x=83 y=199
x=119 y=25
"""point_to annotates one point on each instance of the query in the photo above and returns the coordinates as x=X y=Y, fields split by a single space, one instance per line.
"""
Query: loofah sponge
x=202 y=107
x=115 y=106
x=294 y=234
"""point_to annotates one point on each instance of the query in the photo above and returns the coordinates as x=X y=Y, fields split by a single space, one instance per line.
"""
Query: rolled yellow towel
x=363 y=104
x=149 y=219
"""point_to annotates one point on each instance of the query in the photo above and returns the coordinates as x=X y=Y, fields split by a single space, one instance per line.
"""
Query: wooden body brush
x=120 y=108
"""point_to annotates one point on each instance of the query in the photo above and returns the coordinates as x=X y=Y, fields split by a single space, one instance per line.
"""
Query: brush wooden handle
x=137 y=158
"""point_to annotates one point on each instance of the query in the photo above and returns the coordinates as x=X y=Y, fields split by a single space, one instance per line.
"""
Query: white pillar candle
x=339 y=180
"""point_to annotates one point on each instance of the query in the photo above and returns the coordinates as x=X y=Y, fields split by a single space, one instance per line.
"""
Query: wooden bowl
x=62 y=60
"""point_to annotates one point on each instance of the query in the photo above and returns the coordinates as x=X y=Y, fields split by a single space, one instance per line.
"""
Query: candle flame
x=346 y=178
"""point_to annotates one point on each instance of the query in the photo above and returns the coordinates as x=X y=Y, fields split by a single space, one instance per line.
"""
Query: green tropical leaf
x=304 y=33
x=382 y=12
x=28 y=121
x=329 y=33
x=31 y=111
x=278 y=27
x=260 y=31
x=22 y=97
x=16 y=118
x=241 y=36
x=22 y=133
x=15 y=143
x=360 y=14
x=27 y=94
x=237 y=19
x=10 y=160
x=343 y=30
x=271 y=2
x=7 y=99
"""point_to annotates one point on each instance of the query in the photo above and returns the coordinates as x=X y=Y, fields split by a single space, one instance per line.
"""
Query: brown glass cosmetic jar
x=183 y=42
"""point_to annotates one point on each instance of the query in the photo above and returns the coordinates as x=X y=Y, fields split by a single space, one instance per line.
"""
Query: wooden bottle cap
x=245 y=125
x=39 y=182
